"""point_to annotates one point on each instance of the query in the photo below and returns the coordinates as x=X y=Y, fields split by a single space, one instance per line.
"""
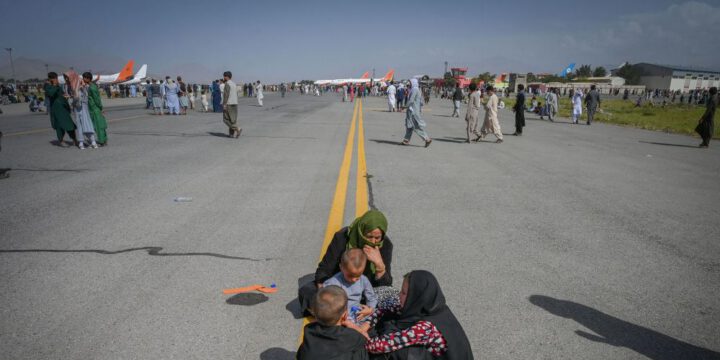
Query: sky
x=277 y=41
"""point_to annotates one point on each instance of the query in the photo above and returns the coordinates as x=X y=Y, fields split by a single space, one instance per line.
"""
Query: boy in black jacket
x=332 y=336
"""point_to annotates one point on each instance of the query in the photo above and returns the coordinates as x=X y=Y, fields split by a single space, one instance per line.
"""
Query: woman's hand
x=373 y=255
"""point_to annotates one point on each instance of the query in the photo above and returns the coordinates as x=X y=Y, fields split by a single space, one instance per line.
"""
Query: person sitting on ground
x=356 y=285
x=534 y=104
x=332 y=336
x=369 y=233
x=420 y=322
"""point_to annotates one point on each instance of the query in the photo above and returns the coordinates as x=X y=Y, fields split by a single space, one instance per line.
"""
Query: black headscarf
x=331 y=342
x=425 y=301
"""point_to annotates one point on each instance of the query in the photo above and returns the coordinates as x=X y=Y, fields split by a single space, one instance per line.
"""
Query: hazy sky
x=294 y=40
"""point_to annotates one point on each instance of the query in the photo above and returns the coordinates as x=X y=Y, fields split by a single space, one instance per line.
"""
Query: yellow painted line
x=337 y=210
x=361 y=189
x=35 y=131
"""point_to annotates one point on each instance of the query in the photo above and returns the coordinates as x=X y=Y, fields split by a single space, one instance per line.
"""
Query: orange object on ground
x=260 y=288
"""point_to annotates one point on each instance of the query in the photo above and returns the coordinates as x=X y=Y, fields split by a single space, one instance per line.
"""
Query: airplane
x=140 y=76
x=568 y=70
x=124 y=75
x=335 y=82
x=365 y=79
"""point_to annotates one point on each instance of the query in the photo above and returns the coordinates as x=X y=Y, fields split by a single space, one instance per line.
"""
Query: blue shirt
x=355 y=291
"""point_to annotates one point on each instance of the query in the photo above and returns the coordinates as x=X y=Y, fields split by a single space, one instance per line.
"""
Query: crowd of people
x=360 y=315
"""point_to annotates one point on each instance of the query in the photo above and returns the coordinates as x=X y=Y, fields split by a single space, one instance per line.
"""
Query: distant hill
x=26 y=68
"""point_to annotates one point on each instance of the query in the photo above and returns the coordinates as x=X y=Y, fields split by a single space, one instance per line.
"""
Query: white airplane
x=124 y=75
x=340 y=81
x=365 y=79
x=140 y=76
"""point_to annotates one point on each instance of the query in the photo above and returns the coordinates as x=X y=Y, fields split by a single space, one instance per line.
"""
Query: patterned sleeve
x=423 y=333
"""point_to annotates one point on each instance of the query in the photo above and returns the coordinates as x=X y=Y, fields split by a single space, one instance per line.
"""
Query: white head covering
x=415 y=86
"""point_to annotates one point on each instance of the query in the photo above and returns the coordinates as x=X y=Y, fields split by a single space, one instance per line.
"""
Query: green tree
x=599 y=72
x=584 y=71
x=485 y=77
x=531 y=78
x=630 y=73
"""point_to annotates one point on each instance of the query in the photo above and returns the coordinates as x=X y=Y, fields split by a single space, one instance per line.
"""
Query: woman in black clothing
x=368 y=232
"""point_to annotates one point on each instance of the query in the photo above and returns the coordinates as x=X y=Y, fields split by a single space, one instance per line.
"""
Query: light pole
x=47 y=69
x=445 y=69
x=12 y=66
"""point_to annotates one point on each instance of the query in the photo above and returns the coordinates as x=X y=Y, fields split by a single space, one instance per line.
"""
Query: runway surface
x=570 y=242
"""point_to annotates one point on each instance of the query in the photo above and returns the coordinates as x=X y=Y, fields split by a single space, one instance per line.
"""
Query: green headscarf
x=371 y=220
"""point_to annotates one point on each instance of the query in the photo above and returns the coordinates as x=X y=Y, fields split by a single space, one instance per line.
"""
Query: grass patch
x=674 y=118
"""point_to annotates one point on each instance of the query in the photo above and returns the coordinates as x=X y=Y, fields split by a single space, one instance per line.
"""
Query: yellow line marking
x=361 y=190
x=28 y=132
x=337 y=210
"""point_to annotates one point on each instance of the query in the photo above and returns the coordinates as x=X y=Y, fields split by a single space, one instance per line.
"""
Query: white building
x=676 y=77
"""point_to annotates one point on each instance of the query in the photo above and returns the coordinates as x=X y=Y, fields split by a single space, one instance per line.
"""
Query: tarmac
x=570 y=242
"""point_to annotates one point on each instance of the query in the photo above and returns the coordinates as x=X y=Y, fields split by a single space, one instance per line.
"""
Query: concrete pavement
x=568 y=242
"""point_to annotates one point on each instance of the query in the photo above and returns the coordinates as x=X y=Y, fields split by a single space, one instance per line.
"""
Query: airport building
x=677 y=77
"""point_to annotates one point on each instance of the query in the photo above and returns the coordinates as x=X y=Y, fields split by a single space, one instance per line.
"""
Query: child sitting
x=327 y=338
x=356 y=285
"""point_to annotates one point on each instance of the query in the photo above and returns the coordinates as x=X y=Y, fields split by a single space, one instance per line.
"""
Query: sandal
x=427 y=143
x=405 y=142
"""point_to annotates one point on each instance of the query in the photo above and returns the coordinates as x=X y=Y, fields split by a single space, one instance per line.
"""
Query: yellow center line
x=337 y=210
x=361 y=190
x=34 y=131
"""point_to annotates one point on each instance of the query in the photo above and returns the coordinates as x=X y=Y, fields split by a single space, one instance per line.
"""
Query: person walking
x=216 y=96
x=413 y=120
x=491 y=125
x=345 y=93
x=156 y=94
x=183 y=96
x=551 y=105
x=391 y=91
x=577 y=105
x=84 y=127
x=473 y=113
x=259 y=92
x=283 y=89
x=592 y=102
x=59 y=110
x=230 y=104
x=148 y=95
x=171 y=97
x=706 y=125
x=95 y=108
x=457 y=98
x=519 y=110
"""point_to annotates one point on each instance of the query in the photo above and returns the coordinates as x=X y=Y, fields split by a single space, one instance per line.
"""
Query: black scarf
x=331 y=342
x=425 y=301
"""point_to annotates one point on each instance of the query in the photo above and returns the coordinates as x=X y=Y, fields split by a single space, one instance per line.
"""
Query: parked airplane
x=124 y=75
x=568 y=70
x=140 y=76
x=341 y=81
x=365 y=79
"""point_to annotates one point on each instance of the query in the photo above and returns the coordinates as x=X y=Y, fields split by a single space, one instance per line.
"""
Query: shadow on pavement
x=247 y=299
x=48 y=170
x=666 y=144
x=294 y=305
x=151 y=250
x=389 y=142
x=277 y=354
x=616 y=332
x=449 y=140
x=168 y=134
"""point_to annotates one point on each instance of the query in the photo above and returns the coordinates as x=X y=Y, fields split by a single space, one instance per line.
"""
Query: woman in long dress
x=81 y=113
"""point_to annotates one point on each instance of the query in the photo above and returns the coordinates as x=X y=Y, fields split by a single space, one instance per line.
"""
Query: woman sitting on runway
x=419 y=325
x=368 y=232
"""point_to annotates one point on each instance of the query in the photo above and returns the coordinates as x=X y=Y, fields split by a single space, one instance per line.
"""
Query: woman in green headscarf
x=369 y=233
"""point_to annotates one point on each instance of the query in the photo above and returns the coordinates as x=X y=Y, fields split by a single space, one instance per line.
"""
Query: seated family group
x=359 y=315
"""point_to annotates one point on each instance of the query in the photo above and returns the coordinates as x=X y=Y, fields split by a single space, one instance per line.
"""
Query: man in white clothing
x=391 y=91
